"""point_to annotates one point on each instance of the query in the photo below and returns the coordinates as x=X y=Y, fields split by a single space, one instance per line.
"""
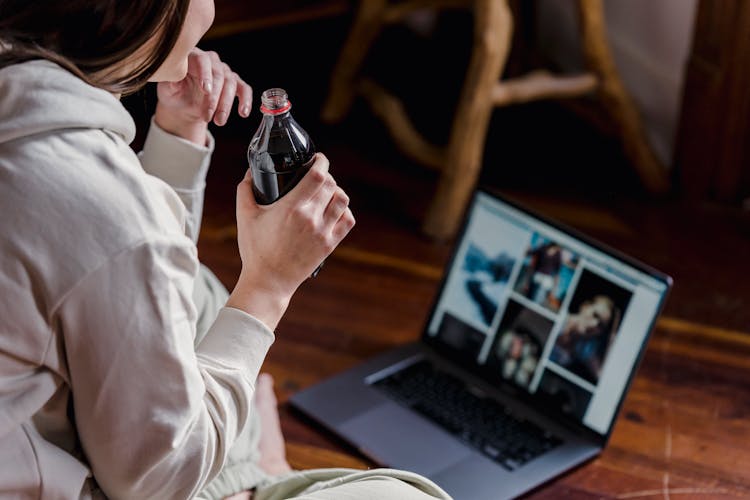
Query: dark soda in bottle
x=280 y=152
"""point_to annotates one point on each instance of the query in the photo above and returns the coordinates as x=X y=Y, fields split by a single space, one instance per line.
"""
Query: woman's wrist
x=195 y=131
x=264 y=303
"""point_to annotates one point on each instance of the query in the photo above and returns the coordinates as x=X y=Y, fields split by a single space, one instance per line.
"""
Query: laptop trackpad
x=399 y=438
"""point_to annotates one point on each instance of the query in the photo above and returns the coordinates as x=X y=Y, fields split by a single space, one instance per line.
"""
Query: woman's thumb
x=245 y=197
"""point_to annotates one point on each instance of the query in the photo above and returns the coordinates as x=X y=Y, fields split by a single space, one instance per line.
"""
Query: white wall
x=651 y=42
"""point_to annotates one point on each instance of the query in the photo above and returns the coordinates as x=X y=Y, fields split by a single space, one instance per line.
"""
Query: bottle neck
x=276 y=111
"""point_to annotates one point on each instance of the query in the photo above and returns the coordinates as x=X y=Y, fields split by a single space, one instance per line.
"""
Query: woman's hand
x=206 y=94
x=283 y=243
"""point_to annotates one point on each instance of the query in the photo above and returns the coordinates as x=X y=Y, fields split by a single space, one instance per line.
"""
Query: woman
x=585 y=340
x=126 y=370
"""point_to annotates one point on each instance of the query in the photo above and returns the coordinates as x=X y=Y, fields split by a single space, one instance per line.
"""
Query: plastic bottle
x=280 y=152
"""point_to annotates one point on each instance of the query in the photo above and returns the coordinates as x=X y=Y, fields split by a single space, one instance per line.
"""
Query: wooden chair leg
x=616 y=100
x=367 y=25
x=493 y=28
x=391 y=111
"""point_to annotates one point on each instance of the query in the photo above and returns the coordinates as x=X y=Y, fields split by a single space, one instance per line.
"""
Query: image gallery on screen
x=530 y=308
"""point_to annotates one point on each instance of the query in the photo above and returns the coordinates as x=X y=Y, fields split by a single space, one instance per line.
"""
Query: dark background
x=544 y=154
x=525 y=146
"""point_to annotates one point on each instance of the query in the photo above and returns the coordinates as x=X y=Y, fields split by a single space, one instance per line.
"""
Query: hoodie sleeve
x=181 y=164
x=156 y=416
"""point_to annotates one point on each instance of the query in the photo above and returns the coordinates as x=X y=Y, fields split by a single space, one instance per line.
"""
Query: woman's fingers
x=217 y=69
x=233 y=87
x=320 y=205
x=200 y=67
x=311 y=183
x=343 y=226
x=320 y=200
x=336 y=220
x=336 y=207
x=226 y=99
x=220 y=86
x=244 y=95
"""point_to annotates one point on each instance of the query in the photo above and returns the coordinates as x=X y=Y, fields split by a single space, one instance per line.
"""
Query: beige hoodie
x=98 y=373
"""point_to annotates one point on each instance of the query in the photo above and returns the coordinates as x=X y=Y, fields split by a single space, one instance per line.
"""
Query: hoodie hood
x=38 y=97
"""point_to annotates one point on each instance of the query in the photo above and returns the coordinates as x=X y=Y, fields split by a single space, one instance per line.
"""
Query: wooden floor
x=684 y=428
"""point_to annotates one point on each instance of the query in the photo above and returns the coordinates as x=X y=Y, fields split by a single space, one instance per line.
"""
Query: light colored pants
x=241 y=472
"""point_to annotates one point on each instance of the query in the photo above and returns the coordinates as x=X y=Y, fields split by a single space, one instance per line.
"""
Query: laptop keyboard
x=482 y=423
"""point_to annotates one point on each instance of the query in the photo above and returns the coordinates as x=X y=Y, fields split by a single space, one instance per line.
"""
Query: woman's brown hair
x=90 y=37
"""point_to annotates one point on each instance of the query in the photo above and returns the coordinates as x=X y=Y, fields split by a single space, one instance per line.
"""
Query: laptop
x=525 y=358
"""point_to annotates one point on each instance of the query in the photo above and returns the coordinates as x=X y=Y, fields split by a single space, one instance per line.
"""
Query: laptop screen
x=545 y=311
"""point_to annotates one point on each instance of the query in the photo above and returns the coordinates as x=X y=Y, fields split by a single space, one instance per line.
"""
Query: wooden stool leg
x=493 y=28
x=366 y=27
x=616 y=100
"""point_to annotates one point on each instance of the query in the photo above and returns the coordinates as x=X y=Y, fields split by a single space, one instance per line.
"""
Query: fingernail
x=245 y=110
x=221 y=118
x=208 y=86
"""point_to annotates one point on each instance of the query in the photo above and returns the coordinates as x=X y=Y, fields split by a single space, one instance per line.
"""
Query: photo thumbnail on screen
x=563 y=395
x=594 y=318
x=481 y=272
x=485 y=277
x=518 y=345
x=465 y=340
x=547 y=270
